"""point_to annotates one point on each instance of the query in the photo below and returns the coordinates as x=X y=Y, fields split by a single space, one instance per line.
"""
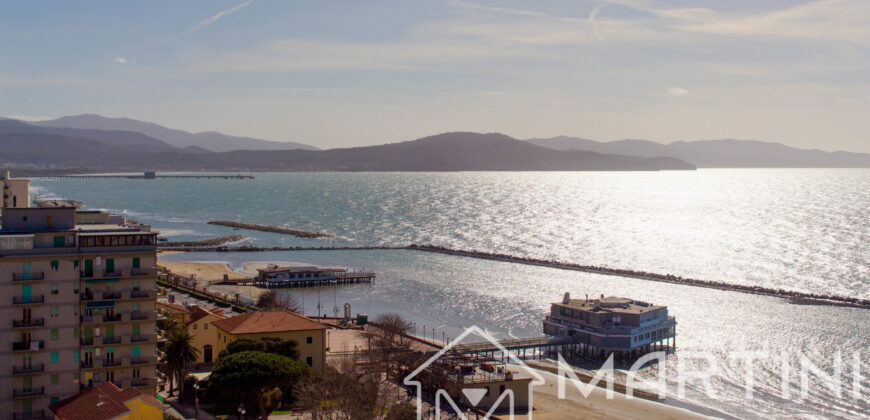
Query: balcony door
x=89 y=268
x=25 y=269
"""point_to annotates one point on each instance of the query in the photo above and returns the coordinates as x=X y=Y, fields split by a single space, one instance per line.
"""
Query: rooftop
x=610 y=304
x=265 y=322
x=198 y=312
x=102 y=402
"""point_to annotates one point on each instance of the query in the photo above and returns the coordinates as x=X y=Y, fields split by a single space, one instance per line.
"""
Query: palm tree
x=180 y=353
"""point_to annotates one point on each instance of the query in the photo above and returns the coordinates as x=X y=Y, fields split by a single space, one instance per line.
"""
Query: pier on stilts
x=540 y=347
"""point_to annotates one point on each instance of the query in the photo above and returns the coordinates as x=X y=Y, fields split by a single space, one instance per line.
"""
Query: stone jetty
x=272 y=229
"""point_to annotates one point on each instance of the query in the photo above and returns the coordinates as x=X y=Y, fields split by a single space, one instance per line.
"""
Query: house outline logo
x=537 y=378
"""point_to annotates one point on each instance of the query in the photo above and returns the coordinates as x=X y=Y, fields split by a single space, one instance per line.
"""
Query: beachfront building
x=600 y=327
x=16 y=191
x=80 y=308
x=204 y=333
x=173 y=311
x=309 y=335
x=108 y=402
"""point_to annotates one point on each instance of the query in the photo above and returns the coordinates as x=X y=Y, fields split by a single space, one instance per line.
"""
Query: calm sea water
x=802 y=229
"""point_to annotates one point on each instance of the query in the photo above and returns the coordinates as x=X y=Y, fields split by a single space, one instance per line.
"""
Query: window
x=54 y=265
x=309 y=360
x=54 y=380
x=195 y=325
x=75 y=356
x=75 y=333
x=75 y=263
x=136 y=262
x=54 y=357
x=309 y=340
x=205 y=326
x=59 y=242
x=54 y=289
x=54 y=400
x=136 y=351
x=54 y=334
x=53 y=311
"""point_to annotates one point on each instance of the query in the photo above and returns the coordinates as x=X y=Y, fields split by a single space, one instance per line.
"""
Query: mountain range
x=725 y=153
x=94 y=143
x=209 y=140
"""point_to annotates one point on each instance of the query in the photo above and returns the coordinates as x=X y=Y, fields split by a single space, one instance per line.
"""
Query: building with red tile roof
x=108 y=402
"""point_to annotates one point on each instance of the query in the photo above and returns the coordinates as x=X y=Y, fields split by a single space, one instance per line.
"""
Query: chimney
x=567 y=299
x=587 y=297
x=602 y=296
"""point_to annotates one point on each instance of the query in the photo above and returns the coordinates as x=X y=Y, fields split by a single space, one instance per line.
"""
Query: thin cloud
x=520 y=12
x=21 y=117
x=592 y=15
x=217 y=16
x=122 y=60
x=678 y=91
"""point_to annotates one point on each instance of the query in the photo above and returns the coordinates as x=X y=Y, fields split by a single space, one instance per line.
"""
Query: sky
x=348 y=73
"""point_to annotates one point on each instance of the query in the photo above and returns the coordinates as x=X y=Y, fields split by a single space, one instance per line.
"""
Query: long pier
x=348 y=278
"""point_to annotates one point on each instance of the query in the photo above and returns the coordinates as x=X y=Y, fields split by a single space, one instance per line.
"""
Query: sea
x=798 y=229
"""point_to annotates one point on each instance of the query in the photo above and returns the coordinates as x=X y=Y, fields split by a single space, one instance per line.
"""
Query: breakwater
x=793 y=296
x=223 y=240
x=272 y=229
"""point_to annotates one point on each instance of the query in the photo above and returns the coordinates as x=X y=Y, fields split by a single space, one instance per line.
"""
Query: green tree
x=286 y=348
x=256 y=377
x=180 y=354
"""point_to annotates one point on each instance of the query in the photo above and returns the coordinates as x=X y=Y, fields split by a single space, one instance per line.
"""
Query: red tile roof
x=264 y=322
x=198 y=313
x=102 y=402
x=173 y=306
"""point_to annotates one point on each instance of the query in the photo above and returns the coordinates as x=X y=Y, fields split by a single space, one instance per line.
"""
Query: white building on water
x=612 y=325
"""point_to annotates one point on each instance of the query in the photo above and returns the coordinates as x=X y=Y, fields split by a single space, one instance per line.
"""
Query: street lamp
x=196 y=400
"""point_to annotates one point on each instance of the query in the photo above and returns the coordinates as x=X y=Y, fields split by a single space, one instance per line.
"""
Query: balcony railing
x=28 y=392
x=87 y=364
x=136 y=316
x=87 y=341
x=31 y=415
x=140 y=338
x=143 y=272
x=112 y=362
x=23 y=370
x=140 y=381
x=111 y=295
x=141 y=360
x=112 y=318
x=20 y=323
x=18 y=300
x=87 y=296
x=28 y=345
x=138 y=294
x=27 y=276
x=112 y=340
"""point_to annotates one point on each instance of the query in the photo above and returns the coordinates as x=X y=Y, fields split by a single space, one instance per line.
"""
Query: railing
x=17 y=300
x=87 y=319
x=28 y=323
x=28 y=392
x=27 y=276
x=19 y=370
x=141 y=360
x=87 y=364
x=136 y=294
x=143 y=272
x=113 y=362
x=140 y=381
x=137 y=316
x=111 y=295
x=87 y=341
x=32 y=415
x=87 y=296
x=28 y=345
x=139 y=338
x=112 y=318
x=112 y=340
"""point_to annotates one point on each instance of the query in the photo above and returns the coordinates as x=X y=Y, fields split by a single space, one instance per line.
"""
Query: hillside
x=727 y=153
x=443 y=152
x=212 y=141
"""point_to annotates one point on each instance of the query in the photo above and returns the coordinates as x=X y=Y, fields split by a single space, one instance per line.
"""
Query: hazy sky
x=344 y=73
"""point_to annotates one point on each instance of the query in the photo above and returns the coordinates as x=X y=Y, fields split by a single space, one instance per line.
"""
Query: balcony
x=87 y=364
x=112 y=318
x=112 y=362
x=87 y=296
x=141 y=338
x=28 y=276
x=112 y=340
x=32 y=345
x=87 y=341
x=24 y=323
x=139 y=294
x=26 y=370
x=138 y=316
x=20 y=300
x=143 y=272
x=111 y=295
x=140 y=382
x=142 y=360
x=31 y=415
x=28 y=392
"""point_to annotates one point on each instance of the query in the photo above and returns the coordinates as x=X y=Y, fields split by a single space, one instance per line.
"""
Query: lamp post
x=196 y=400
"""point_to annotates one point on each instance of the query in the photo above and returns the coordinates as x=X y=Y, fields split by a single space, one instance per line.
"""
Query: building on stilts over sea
x=611 y=325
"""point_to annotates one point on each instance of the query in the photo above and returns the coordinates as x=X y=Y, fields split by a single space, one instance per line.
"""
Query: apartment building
x=78 y=306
